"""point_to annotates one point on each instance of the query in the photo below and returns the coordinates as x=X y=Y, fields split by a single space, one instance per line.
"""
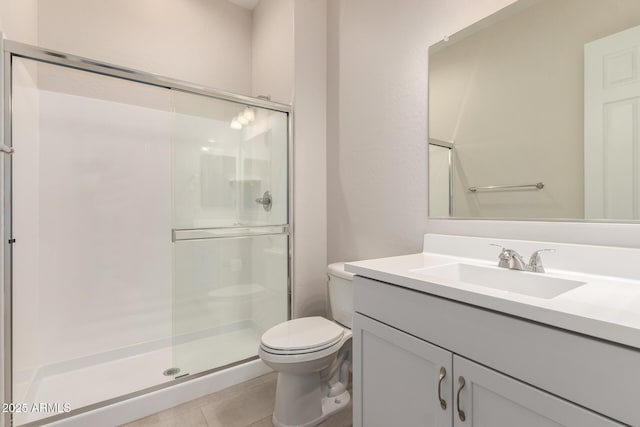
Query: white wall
x=376 y=155
x=310 y=162
x=289 y=64
x=201 y=41
x=19 y=20
x=272 y=44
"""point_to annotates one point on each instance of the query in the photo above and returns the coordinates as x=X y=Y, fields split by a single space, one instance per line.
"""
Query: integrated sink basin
x=519 y=282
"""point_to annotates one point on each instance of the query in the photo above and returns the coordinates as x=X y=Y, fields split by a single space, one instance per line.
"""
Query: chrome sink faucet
x=512 y=260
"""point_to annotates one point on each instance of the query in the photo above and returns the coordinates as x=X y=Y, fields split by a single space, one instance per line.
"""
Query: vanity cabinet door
x=486 y=398
x=397 y=378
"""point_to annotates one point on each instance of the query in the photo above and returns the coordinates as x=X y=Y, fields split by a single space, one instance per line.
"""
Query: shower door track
x=11 y=49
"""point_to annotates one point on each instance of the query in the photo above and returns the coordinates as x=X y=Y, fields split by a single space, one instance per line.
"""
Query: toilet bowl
x=312 y=356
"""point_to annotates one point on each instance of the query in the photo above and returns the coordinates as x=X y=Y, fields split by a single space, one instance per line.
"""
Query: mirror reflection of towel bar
x=538 y=185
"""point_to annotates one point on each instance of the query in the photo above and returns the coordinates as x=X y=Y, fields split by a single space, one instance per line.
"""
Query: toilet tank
x=340 y=286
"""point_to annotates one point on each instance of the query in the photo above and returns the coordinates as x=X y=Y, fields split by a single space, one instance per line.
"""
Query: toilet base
x=330 y=405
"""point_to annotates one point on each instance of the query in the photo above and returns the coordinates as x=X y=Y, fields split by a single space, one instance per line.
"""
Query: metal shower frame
x=9 y=50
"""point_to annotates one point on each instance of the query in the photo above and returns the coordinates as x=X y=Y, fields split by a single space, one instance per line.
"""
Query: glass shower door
x=148 y=230
x=230 y=230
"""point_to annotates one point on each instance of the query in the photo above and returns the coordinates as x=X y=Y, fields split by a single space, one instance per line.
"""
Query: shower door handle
x=5 y=149
x=265 y=200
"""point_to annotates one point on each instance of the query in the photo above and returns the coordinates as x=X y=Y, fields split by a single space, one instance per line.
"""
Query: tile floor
x=249 y=404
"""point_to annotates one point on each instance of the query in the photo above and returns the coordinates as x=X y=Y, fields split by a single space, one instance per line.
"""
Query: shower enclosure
x=146 y=230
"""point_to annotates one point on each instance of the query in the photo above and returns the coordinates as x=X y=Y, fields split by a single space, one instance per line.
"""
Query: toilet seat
x=301 y=357
x=294 y=352
x=302 y=336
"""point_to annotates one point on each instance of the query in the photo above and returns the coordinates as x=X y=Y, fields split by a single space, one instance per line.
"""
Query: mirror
x=534 y=113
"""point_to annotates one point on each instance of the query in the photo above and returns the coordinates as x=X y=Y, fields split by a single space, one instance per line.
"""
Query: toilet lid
x=303 y=334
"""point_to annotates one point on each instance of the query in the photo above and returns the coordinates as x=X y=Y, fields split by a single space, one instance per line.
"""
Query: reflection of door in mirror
x=440 y=178
x=612 y=116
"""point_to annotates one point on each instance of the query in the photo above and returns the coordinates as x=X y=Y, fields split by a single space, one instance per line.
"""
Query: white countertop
x=605 y=307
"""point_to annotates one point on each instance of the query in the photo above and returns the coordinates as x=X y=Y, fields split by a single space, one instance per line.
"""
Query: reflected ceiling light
x=243 y=118
x=205 y=148
x=249 y=114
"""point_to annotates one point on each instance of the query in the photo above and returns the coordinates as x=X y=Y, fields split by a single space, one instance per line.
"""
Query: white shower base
x=102 y=377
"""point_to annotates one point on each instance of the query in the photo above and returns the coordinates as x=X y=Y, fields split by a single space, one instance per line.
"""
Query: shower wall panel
x=92 y=220
x=105 y=250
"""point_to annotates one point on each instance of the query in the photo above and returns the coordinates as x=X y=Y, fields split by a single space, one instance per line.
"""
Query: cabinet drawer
x=595 y=374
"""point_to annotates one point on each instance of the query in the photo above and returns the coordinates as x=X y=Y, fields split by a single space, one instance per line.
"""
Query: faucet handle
x=535 y=262
x=504 y=256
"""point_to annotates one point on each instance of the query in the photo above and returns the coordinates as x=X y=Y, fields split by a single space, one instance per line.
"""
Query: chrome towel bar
x=537 y=185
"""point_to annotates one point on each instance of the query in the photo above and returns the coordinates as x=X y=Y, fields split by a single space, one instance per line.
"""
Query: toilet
x=312 y=356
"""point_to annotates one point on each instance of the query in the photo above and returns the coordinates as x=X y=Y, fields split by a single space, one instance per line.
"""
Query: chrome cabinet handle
x=461 y=384
x=443 y=373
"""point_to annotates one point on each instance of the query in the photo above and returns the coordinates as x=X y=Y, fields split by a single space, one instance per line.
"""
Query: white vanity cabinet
x=403 y=338
x=407 y=381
